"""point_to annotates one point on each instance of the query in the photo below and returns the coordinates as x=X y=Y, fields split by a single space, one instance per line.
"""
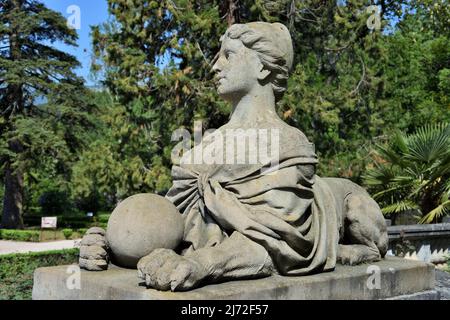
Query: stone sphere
x=141 y=224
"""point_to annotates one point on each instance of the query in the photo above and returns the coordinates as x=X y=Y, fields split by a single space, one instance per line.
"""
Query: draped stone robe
x=290 y=212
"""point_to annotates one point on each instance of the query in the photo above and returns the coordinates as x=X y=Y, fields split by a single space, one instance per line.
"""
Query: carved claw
x=94 y=250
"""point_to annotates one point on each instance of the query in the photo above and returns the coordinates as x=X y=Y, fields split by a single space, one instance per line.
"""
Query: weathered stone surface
x=443 y=284
x=141 y=224
x=398 y=277
x=424 y=295
x=93 y=264
x=96 y=230
x=93 y=253
x=93 y=240
x=94 y=250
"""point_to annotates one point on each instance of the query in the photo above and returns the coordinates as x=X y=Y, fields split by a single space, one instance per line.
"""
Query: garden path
x=7 y=247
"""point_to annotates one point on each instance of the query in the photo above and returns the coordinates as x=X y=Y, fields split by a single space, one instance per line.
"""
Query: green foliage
x=82 y=231
x=16 y=271
x=93 y=202
x=67 y=233
x=38 y=141
x=54 y=202
x=49 y=196
x=413 y=172
x=102 y=225
x=353 y=86
x=103 y=218
x=72 y=222
x=20 y=235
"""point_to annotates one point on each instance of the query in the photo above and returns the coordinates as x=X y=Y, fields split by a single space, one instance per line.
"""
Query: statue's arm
x=237 y=257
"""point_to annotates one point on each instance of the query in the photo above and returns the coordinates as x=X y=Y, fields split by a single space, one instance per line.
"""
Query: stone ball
x=141 y=224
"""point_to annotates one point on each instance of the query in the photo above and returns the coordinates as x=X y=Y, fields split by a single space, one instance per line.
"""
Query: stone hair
x=271 y=57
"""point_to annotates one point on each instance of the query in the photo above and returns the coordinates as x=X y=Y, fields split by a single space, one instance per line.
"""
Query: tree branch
x=363 y=78
x=338 y=49
x=203 y=55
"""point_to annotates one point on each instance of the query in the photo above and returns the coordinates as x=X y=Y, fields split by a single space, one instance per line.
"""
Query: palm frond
x=399 y=207
x=380 y=175
x=429 y=143
x=384 y=192
x=400 y=142
x=439 y=211
x=416 y=167
x=446 y=187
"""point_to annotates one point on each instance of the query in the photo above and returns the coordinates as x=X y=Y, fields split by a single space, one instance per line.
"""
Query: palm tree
x=412 y=172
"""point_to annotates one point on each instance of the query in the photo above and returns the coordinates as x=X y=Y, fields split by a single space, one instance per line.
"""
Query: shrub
x=82 y=231
x=20 y=235
x=103 y=218
x=71 y=222
x=412 y=173
x=67 y=233
x=16 y=271
x=102 y=225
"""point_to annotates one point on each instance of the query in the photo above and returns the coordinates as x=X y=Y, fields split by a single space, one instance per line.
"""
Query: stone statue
x=240 y=220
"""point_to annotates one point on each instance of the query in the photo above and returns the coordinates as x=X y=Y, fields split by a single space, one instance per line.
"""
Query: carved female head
x=254 y=53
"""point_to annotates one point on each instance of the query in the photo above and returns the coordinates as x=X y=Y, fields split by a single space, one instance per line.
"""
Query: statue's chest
x=229 y=148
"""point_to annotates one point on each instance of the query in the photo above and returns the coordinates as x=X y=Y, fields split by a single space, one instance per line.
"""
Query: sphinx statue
x=255 y=219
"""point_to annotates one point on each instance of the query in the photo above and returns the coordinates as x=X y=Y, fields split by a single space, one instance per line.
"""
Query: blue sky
x=92 y=12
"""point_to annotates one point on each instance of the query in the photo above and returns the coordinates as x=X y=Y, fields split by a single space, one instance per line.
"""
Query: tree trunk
x=13 y=199
x=230 y=9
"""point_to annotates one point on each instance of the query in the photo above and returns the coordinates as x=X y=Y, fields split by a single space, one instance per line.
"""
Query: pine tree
x=35 y=134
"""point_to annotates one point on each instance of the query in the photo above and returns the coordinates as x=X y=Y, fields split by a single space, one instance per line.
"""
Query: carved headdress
x=273 y=44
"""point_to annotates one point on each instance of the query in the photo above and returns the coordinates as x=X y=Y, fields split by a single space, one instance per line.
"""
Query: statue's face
x=238 y=70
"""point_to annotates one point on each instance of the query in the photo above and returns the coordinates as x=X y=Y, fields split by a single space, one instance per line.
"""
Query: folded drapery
x=291 y=212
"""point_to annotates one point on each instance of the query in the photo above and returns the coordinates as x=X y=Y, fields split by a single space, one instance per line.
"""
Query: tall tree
x=32 y=70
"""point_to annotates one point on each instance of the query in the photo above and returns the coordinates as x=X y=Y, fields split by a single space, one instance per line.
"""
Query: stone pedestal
x=392 y=278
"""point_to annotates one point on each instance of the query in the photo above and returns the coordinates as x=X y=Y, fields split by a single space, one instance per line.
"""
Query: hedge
x=82 y=231
x=67 y=233
x=16 y=270
x=103 y=218
x=20 y=235
x=73 y=222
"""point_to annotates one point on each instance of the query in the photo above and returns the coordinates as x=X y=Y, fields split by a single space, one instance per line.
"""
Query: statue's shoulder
x=292 y=133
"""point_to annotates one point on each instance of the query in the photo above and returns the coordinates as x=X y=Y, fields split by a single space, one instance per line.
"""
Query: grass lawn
x=16 y=271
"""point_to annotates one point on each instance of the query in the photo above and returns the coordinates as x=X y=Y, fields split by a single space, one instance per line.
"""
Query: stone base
x=424 y=295
x=390 y=278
